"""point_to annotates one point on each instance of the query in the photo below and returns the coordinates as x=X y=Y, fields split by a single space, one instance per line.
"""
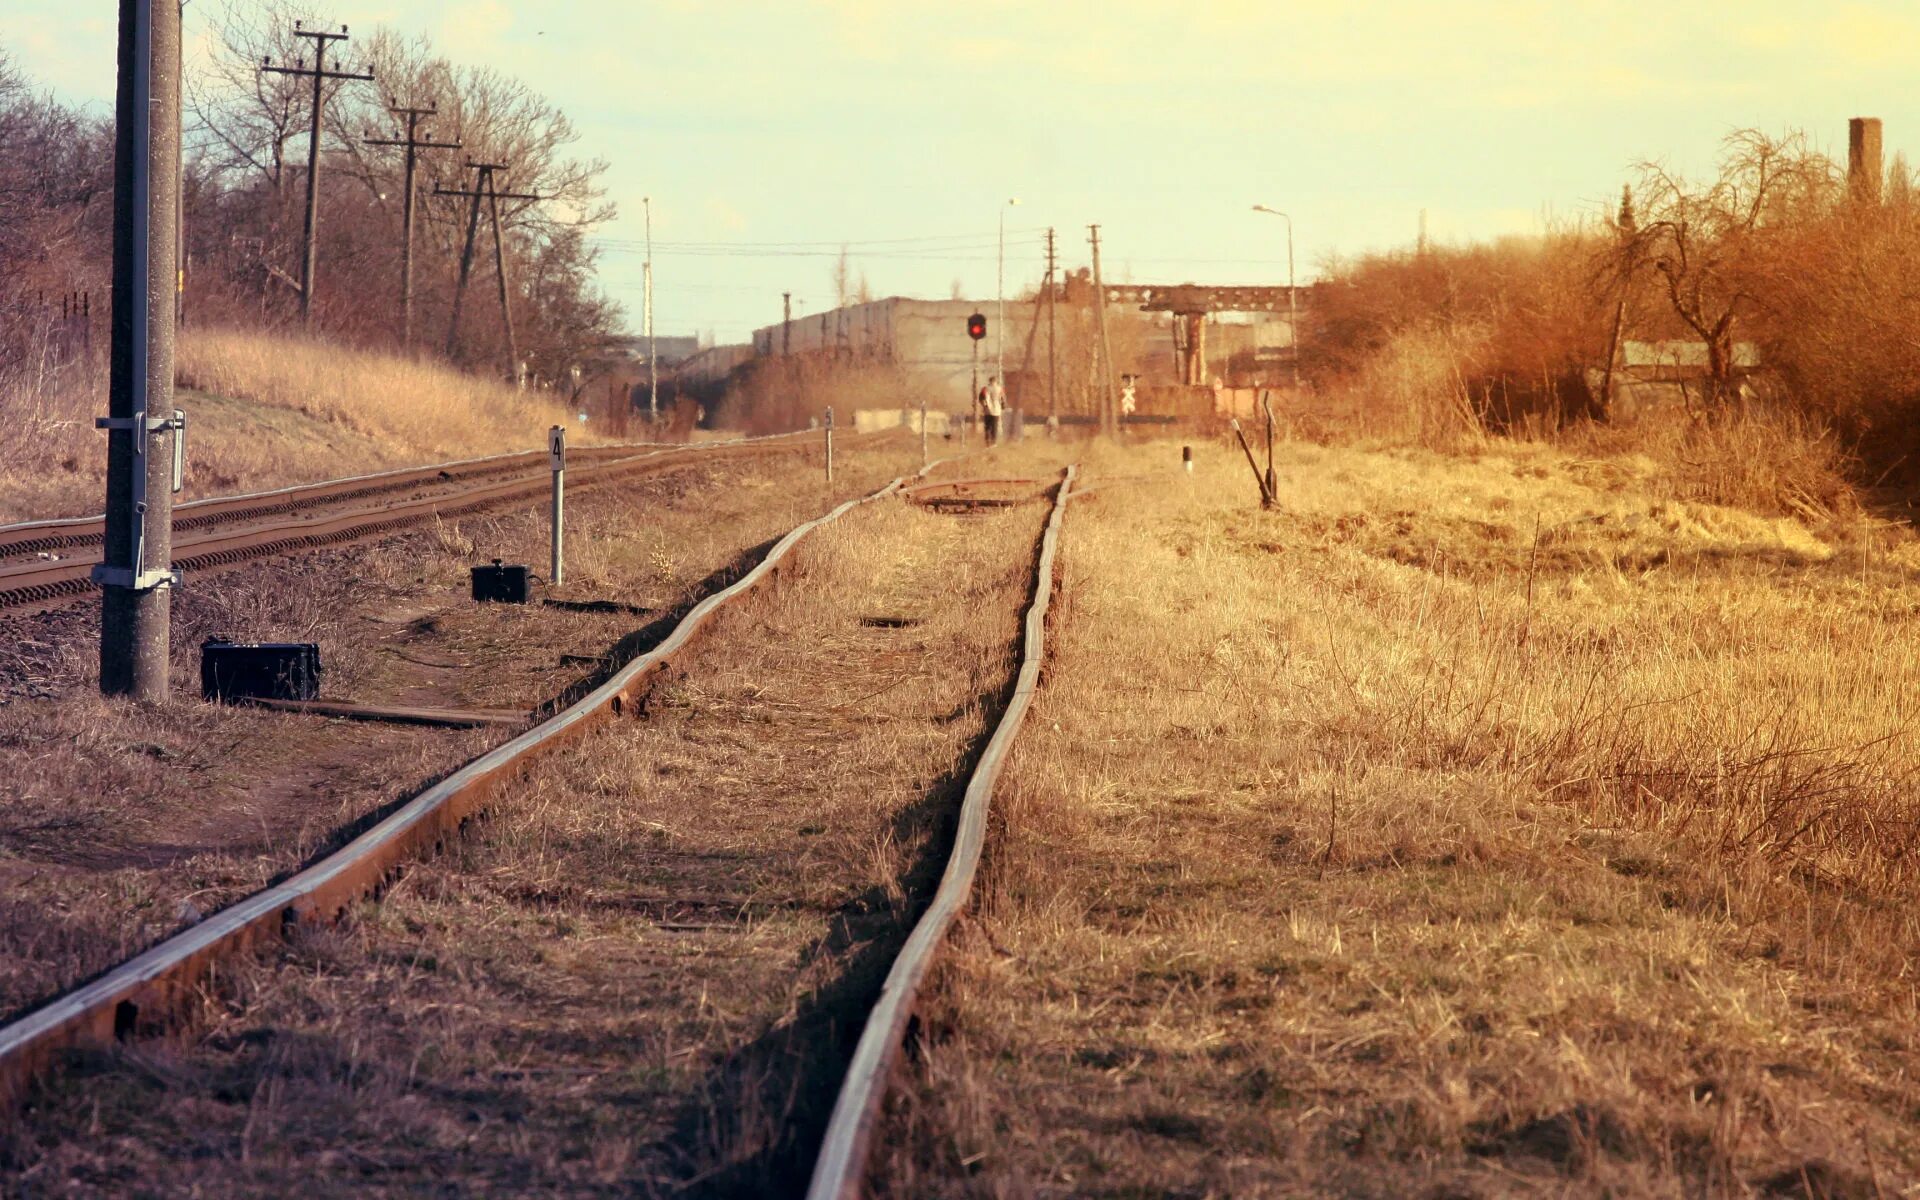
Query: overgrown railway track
x=840 y=1171
x=157 y=988
x=149 y=990
x=44 y=564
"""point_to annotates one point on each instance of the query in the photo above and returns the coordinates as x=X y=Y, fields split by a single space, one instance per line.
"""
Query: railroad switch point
x=497 y=584
x=235 y=672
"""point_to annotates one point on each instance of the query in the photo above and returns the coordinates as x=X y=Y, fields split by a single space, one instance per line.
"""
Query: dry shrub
x=1766 y=457
x=51 y=447
x=1523 y=308
x=1839 y=326
x=1412 y=389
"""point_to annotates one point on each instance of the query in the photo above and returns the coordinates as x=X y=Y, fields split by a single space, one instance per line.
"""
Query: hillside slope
x=264 y=412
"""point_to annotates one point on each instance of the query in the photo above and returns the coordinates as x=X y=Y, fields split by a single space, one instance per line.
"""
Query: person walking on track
x=993 y=402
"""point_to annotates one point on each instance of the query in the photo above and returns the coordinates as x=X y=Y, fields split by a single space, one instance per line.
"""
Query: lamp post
x=1293 y=313
x=1000 y=292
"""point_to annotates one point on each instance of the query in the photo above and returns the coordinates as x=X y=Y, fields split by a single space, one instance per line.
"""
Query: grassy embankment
x=1482 y=824
x=266 y=411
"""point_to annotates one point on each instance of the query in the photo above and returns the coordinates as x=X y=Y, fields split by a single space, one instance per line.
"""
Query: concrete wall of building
x=927 y=339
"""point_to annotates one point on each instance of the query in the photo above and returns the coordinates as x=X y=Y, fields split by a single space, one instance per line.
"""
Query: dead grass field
x=642 y=975
x=119 y=824
x=1481 y=825
x=267 y=411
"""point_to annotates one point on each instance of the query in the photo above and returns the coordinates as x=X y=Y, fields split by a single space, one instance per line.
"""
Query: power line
x=851 y=244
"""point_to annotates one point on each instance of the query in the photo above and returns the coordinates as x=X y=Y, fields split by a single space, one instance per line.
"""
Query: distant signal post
x=977 y=330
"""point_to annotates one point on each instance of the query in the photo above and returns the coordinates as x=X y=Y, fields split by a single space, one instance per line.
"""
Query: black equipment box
x=234 y=671
x=502 y=585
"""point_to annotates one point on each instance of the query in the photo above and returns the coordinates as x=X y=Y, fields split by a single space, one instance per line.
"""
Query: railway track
x=44 y=564
x=149 y=991
x=153 y=990
x=840 y=1171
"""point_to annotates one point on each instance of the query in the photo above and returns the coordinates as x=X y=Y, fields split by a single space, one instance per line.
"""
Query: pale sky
x=773 y=131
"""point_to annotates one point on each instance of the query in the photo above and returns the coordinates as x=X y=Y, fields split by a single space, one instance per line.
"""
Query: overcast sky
x=785 y=128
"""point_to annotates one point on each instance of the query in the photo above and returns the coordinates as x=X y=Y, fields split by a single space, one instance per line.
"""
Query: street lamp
x=1293 y=313
x=1000 y=290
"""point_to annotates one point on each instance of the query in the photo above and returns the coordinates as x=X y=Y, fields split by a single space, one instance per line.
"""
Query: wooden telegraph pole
x=319 y=74
x=136 y=575
x=486 y=188
x=1053 y=357
x=417 y=139
x=1109 y=415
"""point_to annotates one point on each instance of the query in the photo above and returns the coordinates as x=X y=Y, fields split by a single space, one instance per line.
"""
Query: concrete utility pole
x=1293 y=310
x=417 y=139
x=1109 y=414
x=653 y=360
x=1053 y=358
x=319 y=74
x=485 y=188
x=786 y=324
x=137 y=574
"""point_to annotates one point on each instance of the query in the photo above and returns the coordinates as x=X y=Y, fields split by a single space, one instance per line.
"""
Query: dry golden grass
x=266 y=411
x=642 y=974
x=1505 y=826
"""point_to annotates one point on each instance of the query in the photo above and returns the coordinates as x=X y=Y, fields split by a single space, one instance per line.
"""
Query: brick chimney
x=1863 y=159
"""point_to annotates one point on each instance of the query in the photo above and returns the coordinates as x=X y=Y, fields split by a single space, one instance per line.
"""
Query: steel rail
x=50 y=582
x=149 y=989
x=35 y=537
x=839 y=1173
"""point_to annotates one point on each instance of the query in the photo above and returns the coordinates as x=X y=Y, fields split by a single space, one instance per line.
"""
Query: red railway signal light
x=977 y=326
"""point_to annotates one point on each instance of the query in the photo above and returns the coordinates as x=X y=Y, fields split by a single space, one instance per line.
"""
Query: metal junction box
x=236 y=671
x=499 y=584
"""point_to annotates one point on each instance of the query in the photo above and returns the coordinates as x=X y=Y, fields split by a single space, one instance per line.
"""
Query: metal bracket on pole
x=177 y=422
x=146 y=581
x=154 y=424
x=557 y=460
x=137 y=577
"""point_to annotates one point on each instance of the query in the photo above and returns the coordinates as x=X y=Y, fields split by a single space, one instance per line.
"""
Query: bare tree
x=242 y=120
x=1706 y=243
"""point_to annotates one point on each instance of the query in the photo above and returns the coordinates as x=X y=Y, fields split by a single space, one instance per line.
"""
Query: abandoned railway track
x=155 y=989
x=149 y=991
x=44 y=564
x=840 y=1171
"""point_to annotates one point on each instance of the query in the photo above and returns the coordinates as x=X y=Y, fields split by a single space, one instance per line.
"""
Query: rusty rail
x=45 y=583
x=149 y=990
x=60 y=533
x=839 y=1173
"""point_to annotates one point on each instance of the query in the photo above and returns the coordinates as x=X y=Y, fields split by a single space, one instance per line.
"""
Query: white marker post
x=557 y=459
x=829 y=447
